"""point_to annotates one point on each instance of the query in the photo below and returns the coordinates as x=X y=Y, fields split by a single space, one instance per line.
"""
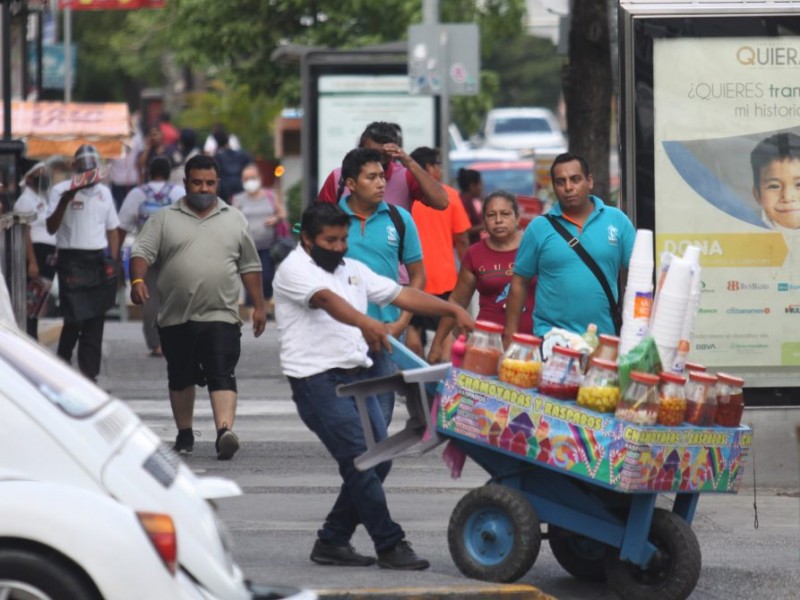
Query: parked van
x=526 y=130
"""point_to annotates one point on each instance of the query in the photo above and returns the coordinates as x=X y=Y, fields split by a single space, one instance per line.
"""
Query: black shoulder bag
x=574 y=243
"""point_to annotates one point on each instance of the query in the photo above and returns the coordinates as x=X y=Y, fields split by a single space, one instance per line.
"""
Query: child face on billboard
x=778 y=192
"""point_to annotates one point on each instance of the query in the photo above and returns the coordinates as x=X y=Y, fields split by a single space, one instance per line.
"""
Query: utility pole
x=68 y=55
x=430 y=16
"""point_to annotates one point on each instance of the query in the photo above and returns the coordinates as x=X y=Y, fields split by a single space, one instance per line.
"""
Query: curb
x=465 y=592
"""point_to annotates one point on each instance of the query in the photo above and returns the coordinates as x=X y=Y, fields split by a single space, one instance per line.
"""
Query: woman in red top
x=488 y=267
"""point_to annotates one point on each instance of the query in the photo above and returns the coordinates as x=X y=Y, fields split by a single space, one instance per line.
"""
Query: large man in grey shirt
x=202 y=248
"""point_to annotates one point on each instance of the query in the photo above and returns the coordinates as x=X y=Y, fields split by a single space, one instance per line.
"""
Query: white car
x=526 y=130
x=92 y=505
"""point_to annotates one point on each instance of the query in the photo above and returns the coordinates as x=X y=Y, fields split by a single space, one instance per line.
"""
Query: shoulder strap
x=575 y=244
x=400 y=226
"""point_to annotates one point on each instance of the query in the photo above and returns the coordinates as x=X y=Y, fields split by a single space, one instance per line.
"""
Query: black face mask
x=326 y=259
x=200 y=201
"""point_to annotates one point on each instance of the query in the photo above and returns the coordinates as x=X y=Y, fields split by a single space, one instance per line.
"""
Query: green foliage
x=250 y=116
x=468 y=111
x=113 y=66
x=294 y=203
x=530 y=72
x=239 y=36
x=233 y=40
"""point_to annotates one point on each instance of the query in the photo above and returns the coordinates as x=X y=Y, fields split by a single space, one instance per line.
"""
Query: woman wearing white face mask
x=264 y=211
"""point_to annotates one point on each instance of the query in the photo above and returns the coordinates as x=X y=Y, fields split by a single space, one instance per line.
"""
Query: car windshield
x=522 y=125
x=517 y=179
x=57 y=381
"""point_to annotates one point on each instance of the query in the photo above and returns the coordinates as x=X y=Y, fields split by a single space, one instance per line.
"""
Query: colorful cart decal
x=589 y=444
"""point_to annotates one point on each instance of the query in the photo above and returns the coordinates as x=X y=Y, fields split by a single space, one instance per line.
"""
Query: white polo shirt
x=86 y=219
x=312 y=341
x=31 y=202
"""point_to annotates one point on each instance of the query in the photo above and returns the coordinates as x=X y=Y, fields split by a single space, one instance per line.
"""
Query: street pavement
x=290 y=482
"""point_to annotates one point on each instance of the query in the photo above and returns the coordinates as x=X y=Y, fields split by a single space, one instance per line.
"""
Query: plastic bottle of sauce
x=701 y=401
x=640 y=403
x=730 y=400
x=521 y=364
x=590 y=336
x=671 y=399
x=600 y=388
x=561 y=374
x=484 y=348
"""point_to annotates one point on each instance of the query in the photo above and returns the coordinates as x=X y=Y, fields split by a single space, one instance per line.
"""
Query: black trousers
x=88 y=335
x=46 y=259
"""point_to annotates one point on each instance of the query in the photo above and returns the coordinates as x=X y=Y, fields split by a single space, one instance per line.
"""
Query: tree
x=237 y=37
x=587 y=88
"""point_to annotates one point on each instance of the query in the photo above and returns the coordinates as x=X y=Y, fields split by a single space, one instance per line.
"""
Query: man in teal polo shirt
x=374 y=240
x=568 y=295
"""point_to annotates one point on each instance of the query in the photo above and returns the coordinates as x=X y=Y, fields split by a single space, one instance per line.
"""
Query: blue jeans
x=336 y=423
x=382 y=365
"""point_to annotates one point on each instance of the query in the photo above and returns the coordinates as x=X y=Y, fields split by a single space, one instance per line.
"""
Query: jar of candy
x=600 y=388
x=561 y=374
x=484 y=348
x=690 y=366
x=730 y=400
x=671 y=399
x=640 y=403
x=701 y=400
x=521 y=364
x=608 y=348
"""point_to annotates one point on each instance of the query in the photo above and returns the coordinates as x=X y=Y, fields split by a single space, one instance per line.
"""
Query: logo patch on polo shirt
x=613 y=235
x=391 y=235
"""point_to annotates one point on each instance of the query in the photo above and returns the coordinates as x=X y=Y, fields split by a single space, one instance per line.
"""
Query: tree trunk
x=587 y=83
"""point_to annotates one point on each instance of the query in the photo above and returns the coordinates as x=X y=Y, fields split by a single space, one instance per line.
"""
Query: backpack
x=400 y=226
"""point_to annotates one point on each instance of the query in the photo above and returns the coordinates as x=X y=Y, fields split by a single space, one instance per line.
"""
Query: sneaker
x=227 y=444
x=340 y=556
x=402 y=557
x=184 y=442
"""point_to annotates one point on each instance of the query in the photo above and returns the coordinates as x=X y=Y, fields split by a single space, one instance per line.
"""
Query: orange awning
x=50 y=128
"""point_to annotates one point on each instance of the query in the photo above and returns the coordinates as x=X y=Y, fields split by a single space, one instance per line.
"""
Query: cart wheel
x=580 y=556
x=494 y=534
x=672 y=573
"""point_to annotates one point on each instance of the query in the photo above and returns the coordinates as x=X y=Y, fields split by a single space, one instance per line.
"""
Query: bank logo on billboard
x=741 y=286
x=787 y=287
x=792 y=309
x=736 y=310
x=705 y=289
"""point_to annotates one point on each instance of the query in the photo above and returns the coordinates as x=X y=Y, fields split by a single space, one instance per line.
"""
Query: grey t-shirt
x=200 y=262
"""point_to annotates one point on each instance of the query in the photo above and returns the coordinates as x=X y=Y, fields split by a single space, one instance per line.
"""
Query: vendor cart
x=592 y=479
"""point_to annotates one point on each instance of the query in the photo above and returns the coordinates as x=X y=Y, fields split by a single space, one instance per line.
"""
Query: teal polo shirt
x=375 y=242
x=568 y=294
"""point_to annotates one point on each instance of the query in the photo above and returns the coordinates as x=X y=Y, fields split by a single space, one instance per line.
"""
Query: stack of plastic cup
x=691 y=255
x=666 y=326
x=638 y=297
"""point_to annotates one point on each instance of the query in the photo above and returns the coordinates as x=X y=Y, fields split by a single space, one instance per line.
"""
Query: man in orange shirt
x=440 y=232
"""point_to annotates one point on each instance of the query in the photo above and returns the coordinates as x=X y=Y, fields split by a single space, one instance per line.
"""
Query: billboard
x=721 y=104
x=348 y=103
x=710 y=156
